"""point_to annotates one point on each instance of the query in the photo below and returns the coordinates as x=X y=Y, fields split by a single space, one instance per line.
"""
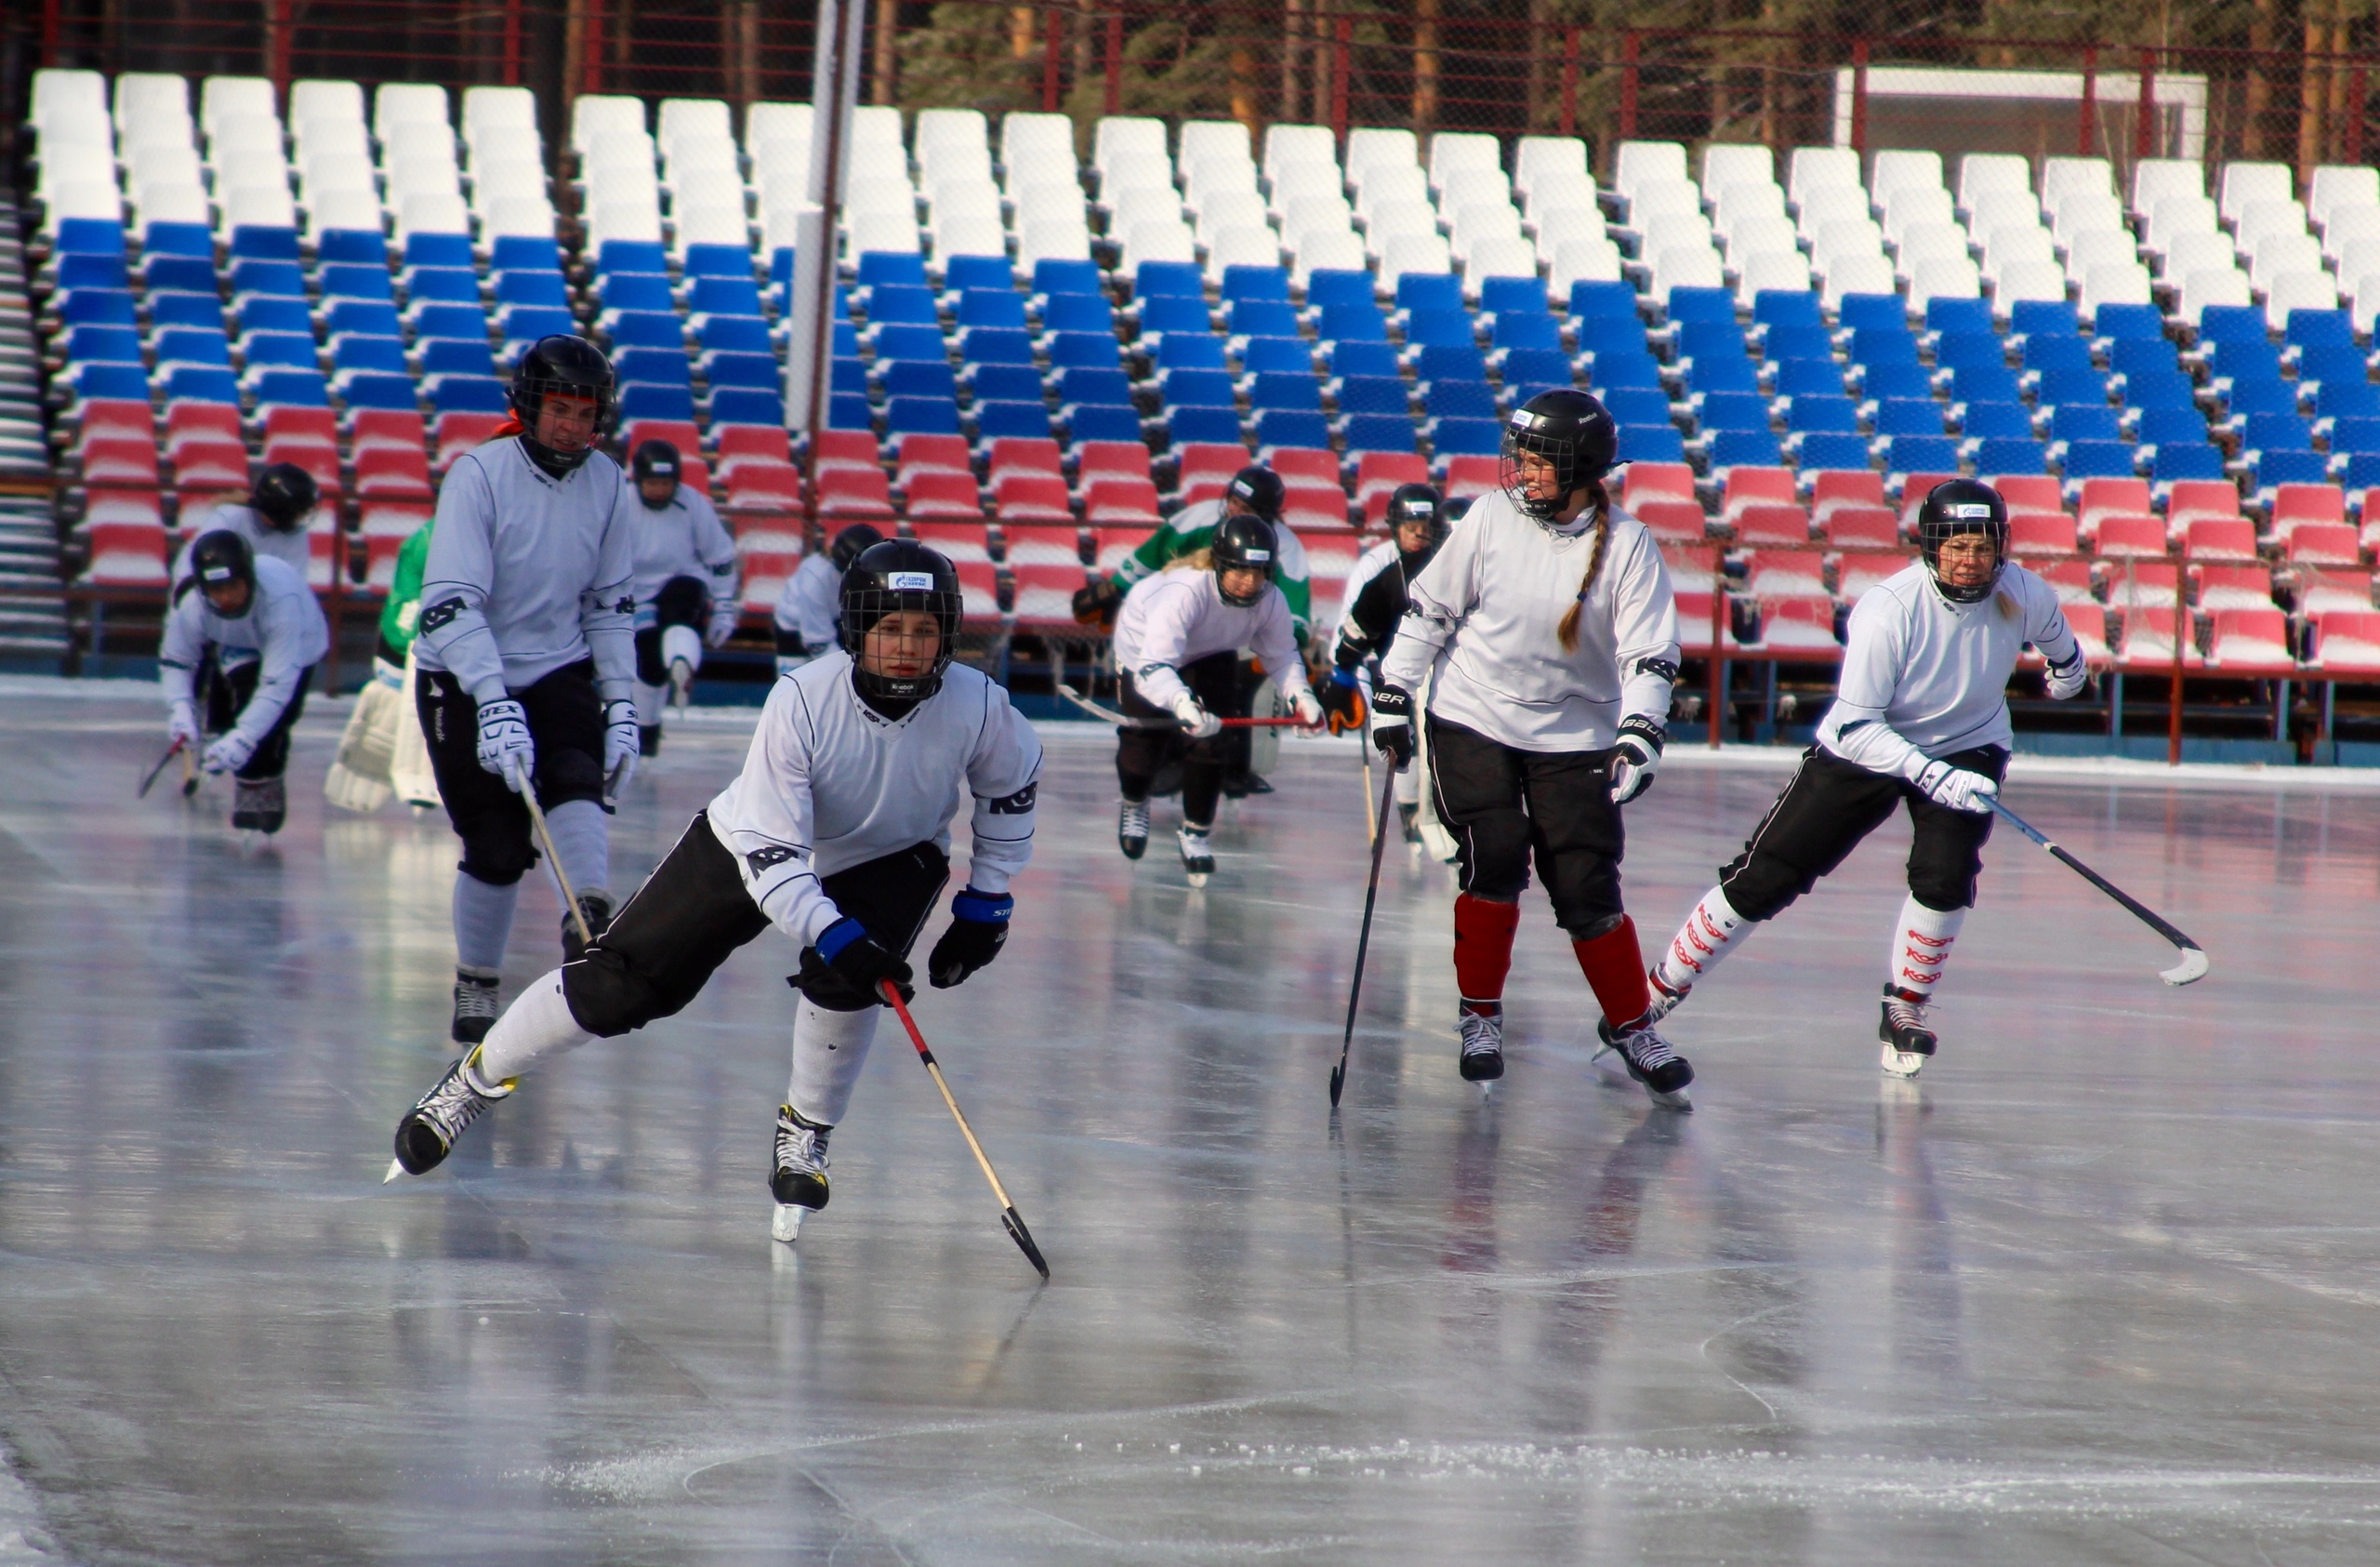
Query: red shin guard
x=1483 y=946
x=1614 y=969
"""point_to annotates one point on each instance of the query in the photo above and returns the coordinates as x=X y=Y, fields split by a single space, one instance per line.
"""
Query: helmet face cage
x=284 y=493
x=1962 y=505
x=1569 y=430
x=1244 y=543
x=655 y=460
x=220 y=558
x=572 y=367
x=891 y=578
x=1417 y=503
x=1257 y=491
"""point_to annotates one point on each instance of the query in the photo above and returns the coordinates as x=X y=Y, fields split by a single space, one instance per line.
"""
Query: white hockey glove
x=229 y=754
x=2069 y=679
x=723 y=616
x=1957 y=788
x=621 y=745
x=1199 y=723
x=505 y=748
x=181 y=724
x=1636 y=757
x=1310 y=712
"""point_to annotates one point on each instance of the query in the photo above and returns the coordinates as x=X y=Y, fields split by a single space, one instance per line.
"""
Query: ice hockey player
x=805 y=618
x=838 y=833
x=685 y=580
x=1549 y=621
x=526 y=657
x=1177 y=643
x=1919 y=717
x=383 y=729
x=1368 y=622
x=234 y=660
x=273 y=521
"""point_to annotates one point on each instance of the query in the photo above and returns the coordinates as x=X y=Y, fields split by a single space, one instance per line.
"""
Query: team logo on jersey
x=438 y=616
x=1017 y=804
x=910 y=581
x=761 y=860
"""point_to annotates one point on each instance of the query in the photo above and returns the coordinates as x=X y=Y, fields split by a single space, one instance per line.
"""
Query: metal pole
x=1115 y=102
x=2353 y=151
x=591 y=63
x=1860 y=97
x=49 y=27
x=276 y=63
x=1570 y=83
x=810 y=347
x=2144 y=131
x=2182 y=629
x=511 y=42
x=1628 y=87
x=2084 y=138
x=1718 y=630
x=1051 y=43
x=1342 y=40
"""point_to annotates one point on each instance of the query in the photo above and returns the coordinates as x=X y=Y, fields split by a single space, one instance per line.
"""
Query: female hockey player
x=1921 y=717
x=1376 y=599
x=685 y=578
x=807 y=606
x=273 y=520
x=1548 y=622
x=837 y=832
x=1177 y=643
x=253 y=634
x=526 y=659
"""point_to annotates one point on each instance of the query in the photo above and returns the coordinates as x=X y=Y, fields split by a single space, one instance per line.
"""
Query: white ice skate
x=1197 y=855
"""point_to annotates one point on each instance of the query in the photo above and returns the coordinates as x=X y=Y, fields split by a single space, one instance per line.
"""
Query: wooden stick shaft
x=901 y=1010
x=562 y=877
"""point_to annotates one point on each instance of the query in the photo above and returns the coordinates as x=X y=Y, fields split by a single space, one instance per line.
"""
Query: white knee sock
x=828 y=1050
x=483 y=920
x=1703 y=940
x=1408 y=786
x=1922 y=938
x=682 y=641
x=583 y=840
x=536 y=1025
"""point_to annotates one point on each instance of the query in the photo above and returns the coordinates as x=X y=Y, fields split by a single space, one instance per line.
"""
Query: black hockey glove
x=978 y=925
x=1393 y=724
x=858 y=960
x=1342 y=699
x=1095 y=605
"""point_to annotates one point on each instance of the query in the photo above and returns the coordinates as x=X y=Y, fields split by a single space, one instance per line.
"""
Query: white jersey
x=289 y=547
x=1924 y=677
x=1369 y=565
x=1179 y=616
x=284 y=630
x=682 y=539
x=528 y=573
x=1487 y=611
x=830 y=783
x=810 y=601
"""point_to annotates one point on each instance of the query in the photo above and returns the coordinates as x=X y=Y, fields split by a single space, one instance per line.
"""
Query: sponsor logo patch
x=439 y=615
x=910 y=581
x=1017 y=804
x=1970 y=511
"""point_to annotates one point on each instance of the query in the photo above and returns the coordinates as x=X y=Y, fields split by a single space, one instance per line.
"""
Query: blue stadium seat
x=2244 y=397
x=1836 y=414
x=2319 y=328
x=2096 y=459
x=1101 y=422
x=1374 y=395
x=1149 y=280
x=1636 y=405
x=1095 y=384
x=290 y=387
x=2331 y=362
x=483 y=395
x=849 y=410
x=1470 y=438
x=1429 y=291
x=1868 y=311
x=755 y=370
x=1459 y=362
x=904 y=377
x=89 y=270
x=1599 y=300
x=722 y=260
x=1779 y=307
x=1256 y=283
x=1920 y=454
x=1537 y=369
x=739 y=405
x=999 y=419
x=526 y=252
x=122 y=382
x=1895 y=378
x=258 y=313
x=1204 y=427
x=1360 y=322
x=1512 y=296
x=1453 y=399
x=205 y=383
x=1439 y=328
x=2044 y=317
x=2004 y=455
x=1196 y=389
x=2166 y=426
x=879 y=268
x=1732 y=410
x=1067 y=348
x=354 y=354
x=2159 y=388
x=728 y=334
x=192 y=274
x=646 y=328
x=2257 y=361
x=2269 y=469
x=1293 y=428
x=268 y=276
x=2359 y=472
x=1280 y=355
x=2086 y=388
x=917 y=416
x=2176 y=460
x=894 y=304
x=988 y=307
x=2355 y=435
x=1951 y=317
x=1600 y=334
x=2121 y=322
x=2277 y=433
x=995 y=345
x=262 y=351
x=355 y=281
x=1706 y=339
x=664 y=366
x=1997 y=422
x=1722 y=373
x=630 y=256
x=447 y=285
x=1985 y=383
x=88 y=237
x=2046 y=351
x=1271 y=389
x=1809 y=378
x=195 y=240
x=262 y=244
x=907 y=340
x=964 y=274
x=1651 y=443
x=719 y=296
x=1883 y=345
x=2232 y=324
x=1362 y=359
x=1190 y=350
x=523 y=324
x=1735 y=448
x=847 y=375
x=1701 y=304
x=1326 y=286
x=2132 y=355
x=634 y=291
x=1003 y=383
x=1259 y=318
x=1913 y=416
x=1517 y=329
x=1379 y=432
x=1838 y=452
x=112 y=345
x=1077 y=312
x=97 y=307
x=2083 y=421
x=1958 y=351
x=444 y=250
x=1615 y=370
x=189 y=345
x=1168 y=316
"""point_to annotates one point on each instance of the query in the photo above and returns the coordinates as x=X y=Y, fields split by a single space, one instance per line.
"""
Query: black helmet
x=222 y=557
x=1417 y=503
x=1257 y=489
x=895 y=575
x=852 y=543
x=1245 y=541
x=572 y=366
x=655 y=460
x=284 y=493
x=1958 y=506
x=1569 y=429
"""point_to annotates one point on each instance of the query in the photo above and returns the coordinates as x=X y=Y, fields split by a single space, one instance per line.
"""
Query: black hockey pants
x=1831 y=805
x=1222 y=689
x=682 y=602
x=1505 y=807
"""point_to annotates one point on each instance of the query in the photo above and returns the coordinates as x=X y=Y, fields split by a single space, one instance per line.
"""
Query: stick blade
x=2191 y=969
x=1024 y=1239
x=1337 y=1082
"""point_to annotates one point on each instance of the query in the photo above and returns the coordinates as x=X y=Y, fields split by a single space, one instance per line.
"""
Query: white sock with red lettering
x=1696 y=950
x=1921 y=940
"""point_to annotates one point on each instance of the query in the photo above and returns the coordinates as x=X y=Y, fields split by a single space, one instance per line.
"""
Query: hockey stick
x=2193 y=964
x=173 y=750
x=1111 y=716
x=190 y=774
x=1008 y=1216
x=1372 y=817
x=1363 y=939
x=546 y=842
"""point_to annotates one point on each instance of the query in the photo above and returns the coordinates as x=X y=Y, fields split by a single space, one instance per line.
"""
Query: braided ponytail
x=1600 y=500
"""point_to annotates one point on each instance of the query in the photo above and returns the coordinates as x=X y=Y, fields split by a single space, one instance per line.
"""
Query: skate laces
x=1905 y=1012
x=475 y=1000
x=800 y=1148
x=1647 y=1048
x=1133 y=820
x=458 y=1099
x=1481 y=1034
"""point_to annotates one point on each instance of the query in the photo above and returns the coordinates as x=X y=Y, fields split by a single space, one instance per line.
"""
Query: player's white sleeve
x=285 y=660
x=1164 y=637
x=1644 y=630
x=715 y=547
x=807 y=606
x=1875 y=655
x=607 y=608
x=771 y=837
x=179 y=650
x=1005 y=778
x=1436 y=603
x=455 y=578
x=2046 y=629
x=1277 y=642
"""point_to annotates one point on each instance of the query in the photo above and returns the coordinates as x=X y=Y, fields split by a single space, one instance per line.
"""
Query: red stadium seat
x=680 y=433
x=1041 y=544
x=2193 y=498
x=1694 y=623
x=2296 y=506
x=1030 y=498
x=2232 y=587
x=1309 y=505
x=1044 y=593
x=1111 y=545
x=1833 y=487
x=2149 y=640
x=380 y=561
x=1111 y=459
x=1864 y=528
x=844 y=448
x=855 y=494
x=394 y=472
x=1669 y=519
x=184 y=420
x=1024 y=454
x=979 y=584
x=2041 y=533
x=935 y=494
x=304 y=427
x=739 y=442
x=2252 y=642
x=955 y=541
x=320 y=462
x=1204 y=465
x=382 y=517
x=1761 y=523
x=2122 y=535
x=758 y=483
x=933 y=453
x=2323 y=544
x=2074 y=579
x=2325 y=593
x=206 y=465
x=402 y=427
x=1804 y=624
x=455 y=433
x=326 y=559
x=2347 y=642
x=2030 y=493
x=1111 y=499
x=1748 y=486
x=2089 y=624
x=1854 y=575
x=1294 y=464
x=2106 y=497
x=764 y=571
x=1638 y=481
x=126 y=551
x=121 y=417
x=1784 y=573
x=1472 y=476
x=2214 y=539
x=118 y=462
x=1380 y=473
x=1913 y=490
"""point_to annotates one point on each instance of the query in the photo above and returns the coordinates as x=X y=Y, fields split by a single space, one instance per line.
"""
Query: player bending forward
x=1549 y=619
x=837 y=832
x=686 y=579
x=1177 y=643
x=1376 y=602
x=1920 y=715
x=253 y=634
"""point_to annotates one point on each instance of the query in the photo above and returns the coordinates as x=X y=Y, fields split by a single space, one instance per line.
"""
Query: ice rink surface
x=2101 y=1287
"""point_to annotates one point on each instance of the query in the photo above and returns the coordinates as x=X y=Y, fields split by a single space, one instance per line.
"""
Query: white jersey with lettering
x=683 y=538
x=283 y=631
x=1179 y=616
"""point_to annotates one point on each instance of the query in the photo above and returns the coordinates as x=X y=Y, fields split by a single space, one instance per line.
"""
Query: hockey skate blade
x=1198 y=878
x=786 y=1223
x=396 y=1168
x=2191 y=969
x=1617 y=1076
x=1902 y=1064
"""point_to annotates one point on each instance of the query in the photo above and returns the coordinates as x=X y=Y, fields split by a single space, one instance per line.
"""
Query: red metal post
x=2144 y=130
x=1570 y=84
x=591 y=66
x=276 y=63
x=1718 y=635
x=1860 y=97
x=49 y=23
x=1051 y=43
x=2183 y=635
x=1343 y=43
x=1628 y=87
x=2085 y=133
x=511 y=42
x=2353 y=151
x=1114 y=63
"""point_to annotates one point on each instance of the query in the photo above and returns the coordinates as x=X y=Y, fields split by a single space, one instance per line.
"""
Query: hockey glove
x=505 y=748
x=1393 y=724
x=2067 y=681
x=1636 y=757
x=858 y=960
x=620 y=746
x=1957 y=788
x=723 y=616
x=1342 y=699
x=1309 y=708
x=1096 y=604
x=181 y=724
x=1201 y=723
x=229 y=754
x=978 y=925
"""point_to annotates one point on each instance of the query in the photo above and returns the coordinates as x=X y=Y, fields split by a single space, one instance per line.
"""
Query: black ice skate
x=1482 y=1059
x=647 y=739
x=597 y=910
x=798 y=1179
x=1132 y=828
x=475 y=1004
x=427 y=1134
x=1409 y=818
x=1908 y=1041
x=1198 y=854
x=259 y=806
x=1649 y=1061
